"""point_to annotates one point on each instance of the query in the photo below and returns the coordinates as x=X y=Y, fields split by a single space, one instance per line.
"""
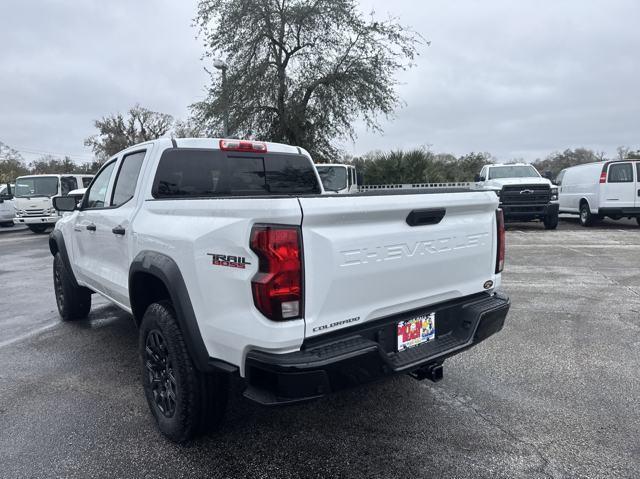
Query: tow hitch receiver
x=432 y=372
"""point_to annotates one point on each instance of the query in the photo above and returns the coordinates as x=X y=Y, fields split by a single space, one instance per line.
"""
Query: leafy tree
x=418 y=166
x=49 y=164
x=301 y=71
x=557 y=162
x=188 y=129
x=626 y=153
x=117 y=132
x=11 y=164
x=90 y=168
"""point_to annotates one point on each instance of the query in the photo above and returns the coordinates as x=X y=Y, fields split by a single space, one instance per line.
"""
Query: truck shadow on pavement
x=379 y=430
x=573 y=224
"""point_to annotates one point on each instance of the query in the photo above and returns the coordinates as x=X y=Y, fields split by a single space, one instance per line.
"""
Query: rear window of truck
x=194 y=173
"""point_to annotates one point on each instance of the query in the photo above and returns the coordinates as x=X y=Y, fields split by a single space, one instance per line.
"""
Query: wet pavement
x=555 y=394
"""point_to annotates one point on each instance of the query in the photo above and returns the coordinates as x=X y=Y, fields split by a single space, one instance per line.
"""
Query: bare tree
x=117 y=132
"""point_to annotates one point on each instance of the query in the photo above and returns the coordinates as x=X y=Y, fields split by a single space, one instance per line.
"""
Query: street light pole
x=222 y=66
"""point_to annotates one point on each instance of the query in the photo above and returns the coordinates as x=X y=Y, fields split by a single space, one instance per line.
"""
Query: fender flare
x=167 y=271
x=57 y=245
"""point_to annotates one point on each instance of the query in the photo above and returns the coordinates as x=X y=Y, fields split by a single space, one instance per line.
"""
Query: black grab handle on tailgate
x=425 y=217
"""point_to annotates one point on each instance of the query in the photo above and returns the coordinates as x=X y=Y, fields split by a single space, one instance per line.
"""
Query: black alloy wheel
x=58 y=289
x=159 y=367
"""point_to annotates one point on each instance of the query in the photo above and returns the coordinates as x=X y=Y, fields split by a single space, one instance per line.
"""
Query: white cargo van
x=598 y=190
x=33 y=198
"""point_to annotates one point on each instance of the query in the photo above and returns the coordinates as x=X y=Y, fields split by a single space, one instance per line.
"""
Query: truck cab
x=7 y=208
x=33 y=193
x=524 y=194
x=338 y=179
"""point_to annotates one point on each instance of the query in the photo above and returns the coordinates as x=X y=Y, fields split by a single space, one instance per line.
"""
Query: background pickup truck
x=231 y=260
x=524 y=194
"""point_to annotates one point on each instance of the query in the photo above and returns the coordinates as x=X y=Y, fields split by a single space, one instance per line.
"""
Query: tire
x=638 y=220
x=74 y=302
x=551 y=221
x=184 y=402
x=586 y=218
x=38 y=229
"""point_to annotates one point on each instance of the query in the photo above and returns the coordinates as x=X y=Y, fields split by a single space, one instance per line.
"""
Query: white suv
x=232 y=261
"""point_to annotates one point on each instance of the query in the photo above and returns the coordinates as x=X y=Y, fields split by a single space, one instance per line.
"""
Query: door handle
x=425 y=217
x=91 y=227
x=118 y=230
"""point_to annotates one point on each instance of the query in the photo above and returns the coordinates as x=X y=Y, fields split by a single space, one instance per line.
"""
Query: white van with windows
x=603 y=189
x=33 y=194
x=338 y=179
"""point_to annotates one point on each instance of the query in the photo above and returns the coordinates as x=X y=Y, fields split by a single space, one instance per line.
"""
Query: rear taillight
x=603 y=175
x=277 y=287
x=501 y=241
x=242 y=145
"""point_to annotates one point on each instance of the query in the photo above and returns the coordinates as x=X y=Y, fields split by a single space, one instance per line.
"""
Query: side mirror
x=360 y=178
x=65 y=203
x=7 y=195
x=479 y=178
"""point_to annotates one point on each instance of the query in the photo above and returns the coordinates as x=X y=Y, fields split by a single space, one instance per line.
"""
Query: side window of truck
x=97 y=194
x=86 y=181
x=621 y=173
x=127 y=178
x=67 y=184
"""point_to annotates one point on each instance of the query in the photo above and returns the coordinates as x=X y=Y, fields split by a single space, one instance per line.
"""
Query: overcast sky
x=519 y=79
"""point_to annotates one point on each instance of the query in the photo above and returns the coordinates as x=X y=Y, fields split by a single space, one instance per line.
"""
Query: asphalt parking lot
x=555 y=394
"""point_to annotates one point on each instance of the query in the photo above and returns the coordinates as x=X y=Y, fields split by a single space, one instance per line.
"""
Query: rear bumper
x=530 y=212
x=36 y=220
x=365 y=353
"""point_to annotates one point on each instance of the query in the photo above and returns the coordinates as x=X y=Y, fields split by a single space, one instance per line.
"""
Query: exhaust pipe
x=432 y=372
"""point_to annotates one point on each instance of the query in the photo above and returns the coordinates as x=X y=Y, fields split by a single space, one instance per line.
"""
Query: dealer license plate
x=416 y=331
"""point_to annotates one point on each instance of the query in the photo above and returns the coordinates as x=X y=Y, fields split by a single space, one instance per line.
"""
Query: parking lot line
x=17 y=239
x=28 y=335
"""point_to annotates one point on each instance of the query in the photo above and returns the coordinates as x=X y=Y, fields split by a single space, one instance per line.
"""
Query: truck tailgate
x=368 y=257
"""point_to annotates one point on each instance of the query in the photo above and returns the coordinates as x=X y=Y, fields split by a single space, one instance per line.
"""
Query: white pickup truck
x=232 y=261
x=524 y=194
